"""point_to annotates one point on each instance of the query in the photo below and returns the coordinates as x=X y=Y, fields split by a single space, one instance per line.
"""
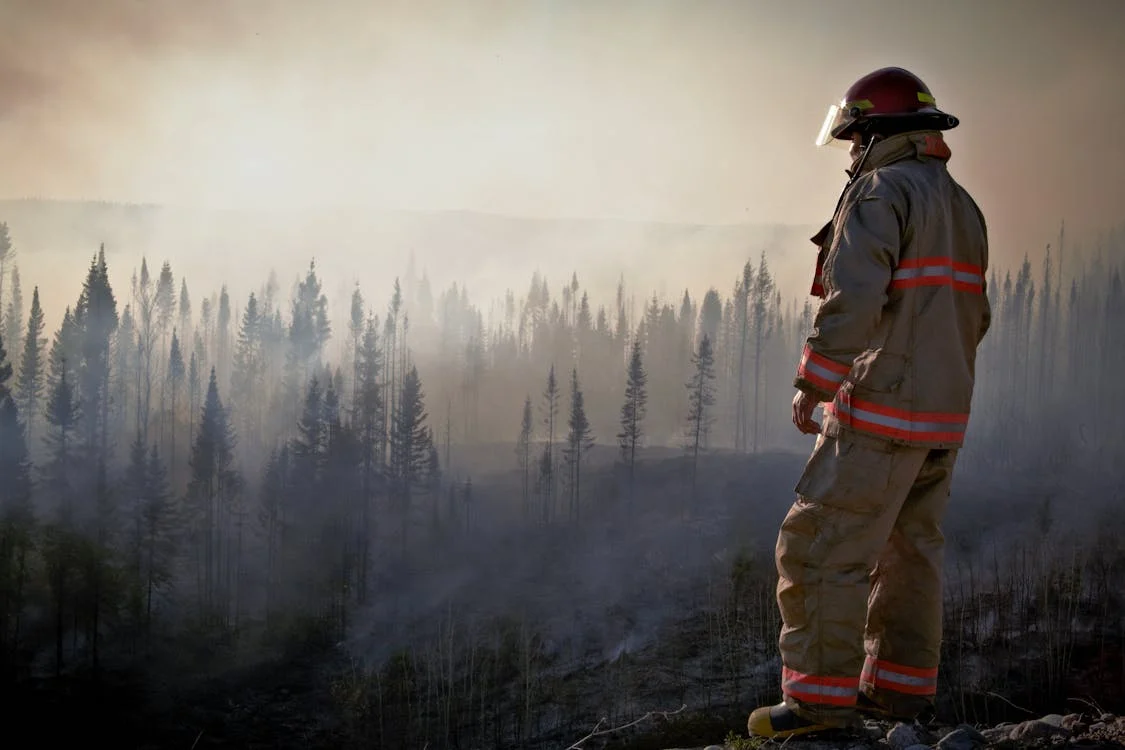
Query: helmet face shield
x=836 y=117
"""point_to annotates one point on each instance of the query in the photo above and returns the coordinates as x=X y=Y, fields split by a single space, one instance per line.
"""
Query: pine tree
x=370 y=422
x=357 y=330
x=16 y=521
x=193 y=394
x=222 y=335
x=165 y=308
x=60 y=483
x=12 y=452
x=309 y=330
x=134 y=491
x=6 y=255
x=61 y=438
x=159 y=537
x=176 y=375
x=743 y=293
x=212 y=496
x=126 y=373
x=523 y=455
x=184 y=310
x=13 y=316
x=95 y=315
x=410 y=449
x=761 y=297
x=701 y=397
x=29 y=389
x=146 y=318
x=308 y=447
x=248 y=375
x=547 y=462
x=272 y=521
x=579 y=440
x=65 y=351
x=633 y=411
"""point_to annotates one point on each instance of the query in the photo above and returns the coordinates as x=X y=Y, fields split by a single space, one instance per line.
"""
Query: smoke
x=657 y=111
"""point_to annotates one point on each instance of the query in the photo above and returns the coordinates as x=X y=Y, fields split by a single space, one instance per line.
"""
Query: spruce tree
x=248 y=375
x=159 y=534
x=272 y=521
x=701 y=397
x=410 y=449
x=633 y=411
x=579 y=440
x=16 y=518
x=212 y=496
x=523 y=455
x=95 y=316
x=547 y=462
x=176 y=374
x=370 y=423
x=13 y=315
x=29 y=389
x=61 y=438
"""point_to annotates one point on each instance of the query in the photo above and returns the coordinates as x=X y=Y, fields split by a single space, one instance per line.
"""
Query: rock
x=1029 y=731
x=997 y=734
x=1054 y=720
x=918 y=747
x=713 y=747
x=903 y=736
x=873 y=730
x=1071 y=720
x=1107 y=718
x=1098 y=726
x=963 y=737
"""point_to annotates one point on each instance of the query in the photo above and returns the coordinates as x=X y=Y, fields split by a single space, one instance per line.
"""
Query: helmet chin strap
x=856 y=170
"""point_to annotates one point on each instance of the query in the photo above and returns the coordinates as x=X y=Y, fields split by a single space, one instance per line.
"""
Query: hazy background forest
x=513 y=515
x=418 y=374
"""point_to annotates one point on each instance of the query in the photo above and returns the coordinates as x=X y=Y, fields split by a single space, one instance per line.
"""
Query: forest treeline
x=175 y=463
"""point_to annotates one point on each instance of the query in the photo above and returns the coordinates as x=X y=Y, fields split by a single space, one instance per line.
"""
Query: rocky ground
x=1087 y=730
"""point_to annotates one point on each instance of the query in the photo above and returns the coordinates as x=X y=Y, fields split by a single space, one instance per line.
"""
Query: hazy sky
x=692 y=111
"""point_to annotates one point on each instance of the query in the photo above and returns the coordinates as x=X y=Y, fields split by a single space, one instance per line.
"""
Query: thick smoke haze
x=699 y=112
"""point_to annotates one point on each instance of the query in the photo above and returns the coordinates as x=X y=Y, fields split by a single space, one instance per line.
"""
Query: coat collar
x=924 y=144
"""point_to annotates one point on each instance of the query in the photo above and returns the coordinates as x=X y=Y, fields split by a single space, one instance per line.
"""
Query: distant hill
x=489 y=253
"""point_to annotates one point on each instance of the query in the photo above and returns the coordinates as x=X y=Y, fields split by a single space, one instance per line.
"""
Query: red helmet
x=887 y=101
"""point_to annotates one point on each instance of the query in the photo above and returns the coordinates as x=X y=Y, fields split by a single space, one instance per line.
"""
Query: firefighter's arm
x=986 y=312
x=857 y=276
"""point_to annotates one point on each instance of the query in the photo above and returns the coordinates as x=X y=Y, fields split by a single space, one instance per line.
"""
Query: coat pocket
x=847 y=474
x=879 y=371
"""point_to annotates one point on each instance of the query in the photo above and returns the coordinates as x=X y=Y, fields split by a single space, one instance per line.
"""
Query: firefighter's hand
x=803 y=407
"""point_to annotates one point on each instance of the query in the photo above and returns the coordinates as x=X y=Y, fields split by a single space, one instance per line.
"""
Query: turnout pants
x=859 y=559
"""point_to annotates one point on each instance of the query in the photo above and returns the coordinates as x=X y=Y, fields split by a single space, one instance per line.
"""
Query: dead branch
x=1013 y=705
x=1091 y=704
x=598 y=731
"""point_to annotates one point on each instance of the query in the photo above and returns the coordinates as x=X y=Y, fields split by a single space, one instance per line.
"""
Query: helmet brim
x=839 y=123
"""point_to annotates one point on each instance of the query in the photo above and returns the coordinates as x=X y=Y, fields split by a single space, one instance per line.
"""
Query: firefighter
x=901 y=275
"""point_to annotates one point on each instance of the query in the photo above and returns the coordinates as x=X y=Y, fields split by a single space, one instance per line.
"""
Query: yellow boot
x=780 y=722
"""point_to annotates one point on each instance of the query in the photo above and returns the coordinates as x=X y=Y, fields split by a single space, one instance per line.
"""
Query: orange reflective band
x=900 y=678
x=912 y=427
x=916 y=272
x=821 y=371
x=831 y=691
